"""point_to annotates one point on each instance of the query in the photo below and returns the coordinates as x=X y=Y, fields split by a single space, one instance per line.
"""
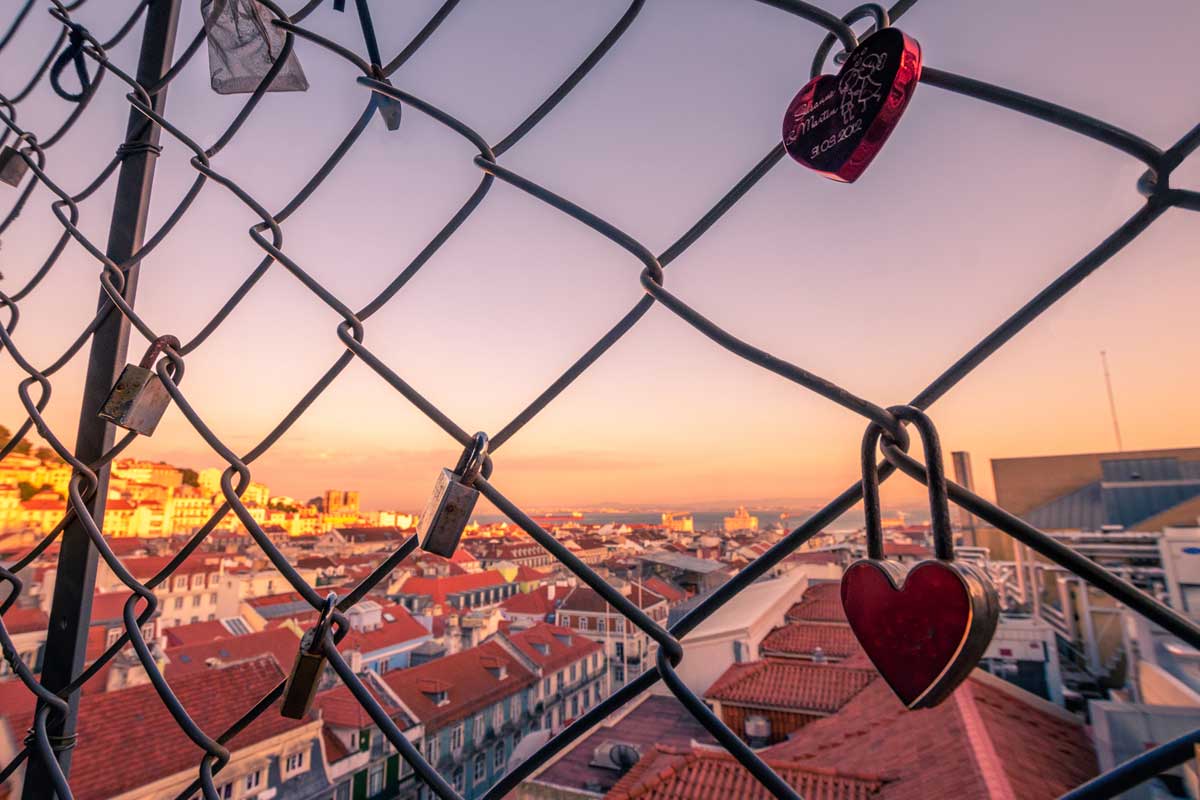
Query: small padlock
x=305 y=677
x=13 y=166
x=449 y=509
x=138 y=400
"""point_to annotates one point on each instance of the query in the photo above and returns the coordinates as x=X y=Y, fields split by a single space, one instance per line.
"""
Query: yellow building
x=741 y=521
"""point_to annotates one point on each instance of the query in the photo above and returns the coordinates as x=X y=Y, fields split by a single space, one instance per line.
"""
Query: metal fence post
x=70 y=612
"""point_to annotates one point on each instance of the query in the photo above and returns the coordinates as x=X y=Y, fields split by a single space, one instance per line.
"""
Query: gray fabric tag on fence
x=242 y=46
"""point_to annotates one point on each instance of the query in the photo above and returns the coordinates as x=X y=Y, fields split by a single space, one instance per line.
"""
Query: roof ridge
x=981 y=747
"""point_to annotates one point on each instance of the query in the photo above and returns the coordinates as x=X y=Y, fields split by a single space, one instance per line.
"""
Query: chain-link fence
x=80 y=55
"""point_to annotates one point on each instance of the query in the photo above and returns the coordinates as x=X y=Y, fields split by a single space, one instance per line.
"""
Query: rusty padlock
x=13 y=166
x=305 y=677
x=449 y=508
x=138 y=400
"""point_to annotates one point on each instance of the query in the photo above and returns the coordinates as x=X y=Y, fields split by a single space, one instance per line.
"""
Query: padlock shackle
x=323 y=623
x=874 y=10
x=156 y=348
x=939 y=502
x=471 y=462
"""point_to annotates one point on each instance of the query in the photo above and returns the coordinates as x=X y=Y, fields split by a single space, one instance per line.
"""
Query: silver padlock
x=449 y=509
x=13 y=166
x=138 y=400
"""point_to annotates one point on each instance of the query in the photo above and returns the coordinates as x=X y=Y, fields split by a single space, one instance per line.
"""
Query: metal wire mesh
x=87 y=55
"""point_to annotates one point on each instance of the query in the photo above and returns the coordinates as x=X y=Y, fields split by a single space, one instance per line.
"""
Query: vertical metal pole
x=71 y=608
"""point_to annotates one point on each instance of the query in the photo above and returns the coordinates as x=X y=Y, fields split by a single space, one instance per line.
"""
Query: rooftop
x=821 y=688
x=804 y=638
x=552 y=647
x=645 y=722
x=667 y=773
x=821 y=602
x=988 y=739
x=281 y=643
x=135 y=721
x=468 y=679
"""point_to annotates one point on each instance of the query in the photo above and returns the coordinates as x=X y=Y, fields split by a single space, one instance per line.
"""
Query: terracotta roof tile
x=586 y=599
x=340 y=708
x=803 y=639
x=135 y=721
x=196 y=633
x=701 y=774
x=536 y=602
x=544 y=644
x=1037 y=748
x=25 y=620
x=822 y=688
x=188 y=659
x=439 y=587
x=470 y=685
x=648 y=720
x=821 y=602
x=403 y=628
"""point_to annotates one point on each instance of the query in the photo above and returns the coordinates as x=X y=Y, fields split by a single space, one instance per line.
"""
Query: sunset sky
x=967 y=213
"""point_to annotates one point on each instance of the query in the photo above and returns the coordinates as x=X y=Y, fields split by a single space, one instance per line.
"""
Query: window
x=111 y=637
x=738 y=654
x=480 y=768
x=458 y=780
x=498 y=757
x=600 y=625
x=558 y=681
x=431 y=749
x=225 y=791
x=214 y=578
x=194 y=620
x=456 y=737
x=546 y=687
x=212 y=599
x=497 y=716
x=342 y=792
x=514 y=707
x=294 y=763
x=375 y=780
x=180 y=583
x=178 y=603
x=620 y=650
x=252 y=781
x=585 y=623
x=364 y=740
x=196 y=600
x=574 y=672
x=198 y=581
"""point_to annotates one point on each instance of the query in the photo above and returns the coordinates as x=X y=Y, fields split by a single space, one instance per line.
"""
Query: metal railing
x=47 y=750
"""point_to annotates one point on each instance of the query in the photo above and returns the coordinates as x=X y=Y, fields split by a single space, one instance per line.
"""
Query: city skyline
x=664 y=417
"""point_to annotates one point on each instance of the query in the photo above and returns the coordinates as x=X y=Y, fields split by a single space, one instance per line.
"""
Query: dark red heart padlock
x=923 y=628
x=838 y=123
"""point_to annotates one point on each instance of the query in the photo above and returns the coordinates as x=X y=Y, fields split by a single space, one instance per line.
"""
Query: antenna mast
x=1112 y=403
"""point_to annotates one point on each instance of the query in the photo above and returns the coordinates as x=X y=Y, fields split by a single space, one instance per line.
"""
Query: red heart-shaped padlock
x=837 y=123
x=923 y=631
